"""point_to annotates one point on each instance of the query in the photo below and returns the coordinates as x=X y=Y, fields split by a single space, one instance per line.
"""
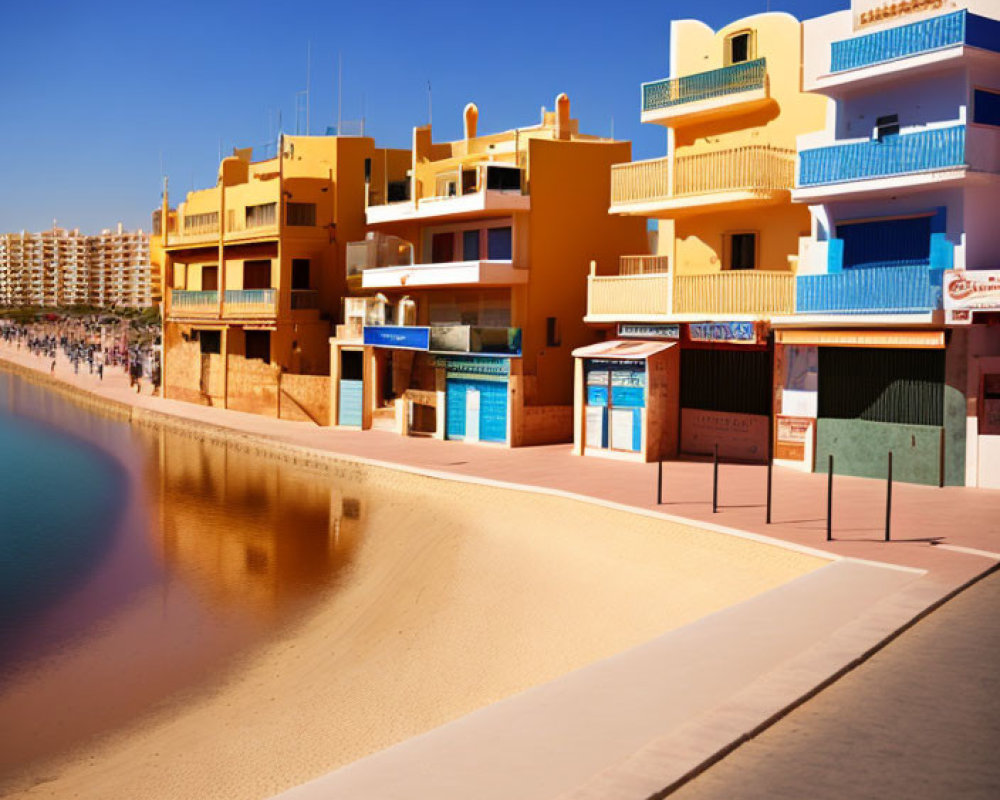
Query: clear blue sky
x=95 y=95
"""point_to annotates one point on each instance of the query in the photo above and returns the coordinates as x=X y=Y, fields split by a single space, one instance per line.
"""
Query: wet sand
x=506 y=590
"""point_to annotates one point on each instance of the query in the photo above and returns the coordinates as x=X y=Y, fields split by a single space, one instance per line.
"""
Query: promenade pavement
x=647 y=719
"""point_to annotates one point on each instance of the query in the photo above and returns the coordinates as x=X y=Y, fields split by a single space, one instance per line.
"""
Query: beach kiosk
x=626 y=400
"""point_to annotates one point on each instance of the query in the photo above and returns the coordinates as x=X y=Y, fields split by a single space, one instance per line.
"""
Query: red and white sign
x=971 y=290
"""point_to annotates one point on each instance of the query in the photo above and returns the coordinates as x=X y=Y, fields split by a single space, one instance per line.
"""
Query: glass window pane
x=499 y=244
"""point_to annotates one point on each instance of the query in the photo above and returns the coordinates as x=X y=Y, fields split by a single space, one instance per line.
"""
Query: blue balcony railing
x=886 y=290
x=938 y=148
x=705 y=85
x=186 y=298
x=925 y=36
x=250 y=297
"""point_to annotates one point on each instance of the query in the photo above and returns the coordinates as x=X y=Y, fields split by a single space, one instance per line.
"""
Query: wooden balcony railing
x=753 y=168
x=748 y=292
x=628 y=296
x=643 y=265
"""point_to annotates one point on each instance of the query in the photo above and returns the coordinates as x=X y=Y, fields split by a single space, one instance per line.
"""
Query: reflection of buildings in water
x=248 y=529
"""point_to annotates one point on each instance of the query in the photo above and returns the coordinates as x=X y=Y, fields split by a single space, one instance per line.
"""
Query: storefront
x=627 y=400
x=857 y=395
x=477 y=393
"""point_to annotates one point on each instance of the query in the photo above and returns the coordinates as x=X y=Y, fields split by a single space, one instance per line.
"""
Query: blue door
x=492 y=408
x=349 y=408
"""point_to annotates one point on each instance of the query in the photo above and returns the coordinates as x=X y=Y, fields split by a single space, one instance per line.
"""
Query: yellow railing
x=643 y=265
x=754 y=168
x=640 y=181
x=624 y=296
x=735 y=292
x=759 y=168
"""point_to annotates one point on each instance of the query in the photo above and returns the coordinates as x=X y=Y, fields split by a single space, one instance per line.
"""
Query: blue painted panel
x=637 y=429
x=982 y=32
x=835 y=256
x=704 y=85
x=597 y=395
x=937 y=148
x=900 y=41
x=454 y=414
x=859 y=291
x=628 y=396
x=349 y=408
x=407 y=337
x=886 y=243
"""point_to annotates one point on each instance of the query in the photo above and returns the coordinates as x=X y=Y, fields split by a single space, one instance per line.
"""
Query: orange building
x=472 y=283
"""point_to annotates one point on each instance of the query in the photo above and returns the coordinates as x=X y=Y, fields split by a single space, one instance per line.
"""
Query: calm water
x=137 y=562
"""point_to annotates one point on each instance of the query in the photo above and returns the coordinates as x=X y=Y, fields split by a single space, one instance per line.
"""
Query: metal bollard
x=659 y=483
x=715 y=480
x=829 y=501
x=770 y=465
x=888 y=500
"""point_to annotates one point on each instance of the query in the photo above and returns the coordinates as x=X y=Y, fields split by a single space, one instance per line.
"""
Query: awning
x=619 y=349
x=862 y=338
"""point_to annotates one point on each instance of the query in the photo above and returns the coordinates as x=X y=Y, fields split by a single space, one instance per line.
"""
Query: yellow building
x=728 y=237
x=254 y=275
x=471 y=283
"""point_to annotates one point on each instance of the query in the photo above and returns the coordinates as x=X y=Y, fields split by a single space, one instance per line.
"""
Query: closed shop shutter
x=732 y=381
x=492 y=409
x=349 y=409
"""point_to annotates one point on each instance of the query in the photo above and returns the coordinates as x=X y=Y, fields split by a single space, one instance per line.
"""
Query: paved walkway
x=920 y=720
x=949 y=535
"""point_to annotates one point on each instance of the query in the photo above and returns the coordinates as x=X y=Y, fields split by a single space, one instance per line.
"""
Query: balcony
x=453 y=273
x=739 y=88
x=194 y=234
x=905 y=160
x=187 y=303
x=750 y=293
x=885 y=290
x=250 y=303
x=475 y=191
x=628 y=298
x=732 y=178
x=918 y=46
x=305 y=299
x=252 y=222
x=643 y=265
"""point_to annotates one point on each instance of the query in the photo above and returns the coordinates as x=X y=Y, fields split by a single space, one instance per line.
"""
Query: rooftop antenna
x=340 y=90
x=612 y=126
x=429 y=118
x=364 y=111
x=308 y=79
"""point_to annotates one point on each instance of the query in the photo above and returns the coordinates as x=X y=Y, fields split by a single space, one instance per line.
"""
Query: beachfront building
x=687 y=361
x=60 y=268
x=892 y=346
x=469 y=289
x=254 y=275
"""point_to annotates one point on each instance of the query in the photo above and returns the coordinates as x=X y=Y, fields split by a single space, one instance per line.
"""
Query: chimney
x=471 y=115
x=562 y=116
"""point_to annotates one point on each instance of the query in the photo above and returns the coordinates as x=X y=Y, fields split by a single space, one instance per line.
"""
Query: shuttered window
x=887 y=243
x=899 y=386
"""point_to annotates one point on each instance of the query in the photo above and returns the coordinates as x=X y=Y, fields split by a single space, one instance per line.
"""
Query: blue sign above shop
x=743 y=332
x=404 y=337
x=638 y=331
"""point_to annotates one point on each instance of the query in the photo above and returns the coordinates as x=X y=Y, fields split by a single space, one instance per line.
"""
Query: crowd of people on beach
x=91 y=344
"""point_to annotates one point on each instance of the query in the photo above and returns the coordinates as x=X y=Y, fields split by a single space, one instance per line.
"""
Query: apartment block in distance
x=469 y=290
x=894 y=346
x=59 y=267
x=253 y=272
x=687 y=361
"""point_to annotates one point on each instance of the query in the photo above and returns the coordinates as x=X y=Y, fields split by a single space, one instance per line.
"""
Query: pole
x=770 y=465
x=829 y=500
x=888 y=500
x=715 y=480
x=659 y=483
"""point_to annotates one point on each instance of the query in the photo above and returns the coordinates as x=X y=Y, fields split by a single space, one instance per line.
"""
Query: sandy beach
x=503 y=591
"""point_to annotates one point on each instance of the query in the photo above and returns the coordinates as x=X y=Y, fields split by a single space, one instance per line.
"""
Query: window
x=209 y=279
x=470 y=245
x=886 y=126
x=210 y=342
x=503 y=179
x=742 y=250
x=300 y=274
x=739 y=47
x=201 y=222
x=301 y=214
x=259 y=216
x=498 y=244
x=446 y=185
x=552 y=337
x=468 y=181
x=398 y=191
x=986 y=107
x=257 y=274
x=442 y=248
x=258 y=345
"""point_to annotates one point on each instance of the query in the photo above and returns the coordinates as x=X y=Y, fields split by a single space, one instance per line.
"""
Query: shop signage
x=742 y=436
x=475 y=339
x=480 y=366
x=739 y=332
x=905 y=339
x=868 y=12
x=966 y=291
x=792 y=434
x=405 y=337
x=638 y=331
